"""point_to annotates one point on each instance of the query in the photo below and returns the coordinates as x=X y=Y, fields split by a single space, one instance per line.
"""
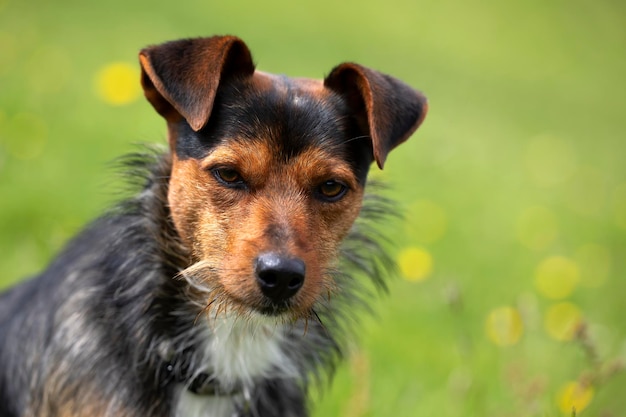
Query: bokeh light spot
x=504 y=326
x=426 y=221
x=536 y=227
x=556 y=277
x=562 y=320
x=118 y=83
x=574 y=395
x=595 y=264
x=550 y=160
x=416 y=264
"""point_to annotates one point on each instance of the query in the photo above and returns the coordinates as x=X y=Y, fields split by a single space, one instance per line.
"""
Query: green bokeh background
x=527 y=115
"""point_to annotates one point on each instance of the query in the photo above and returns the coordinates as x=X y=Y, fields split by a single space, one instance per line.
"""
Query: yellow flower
x=561 y=321
x=416 y=264
x=504 y=326
x=118 y=83
x=574 y=395
x=556 y=277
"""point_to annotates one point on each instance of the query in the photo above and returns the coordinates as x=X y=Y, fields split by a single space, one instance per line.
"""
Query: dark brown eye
x=331 y=190
x=228 y=177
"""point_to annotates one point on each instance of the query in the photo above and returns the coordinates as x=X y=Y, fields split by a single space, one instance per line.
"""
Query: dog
x=227 y=285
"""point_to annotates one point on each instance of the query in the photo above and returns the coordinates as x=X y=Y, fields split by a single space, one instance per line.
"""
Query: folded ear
x=385 y=107
x=181 y=78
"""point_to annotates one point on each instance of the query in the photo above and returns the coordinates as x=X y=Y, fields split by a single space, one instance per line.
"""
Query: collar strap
x=203 y=384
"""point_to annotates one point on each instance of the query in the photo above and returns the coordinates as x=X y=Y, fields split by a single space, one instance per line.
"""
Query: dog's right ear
x=387 y=109
x=181 y=78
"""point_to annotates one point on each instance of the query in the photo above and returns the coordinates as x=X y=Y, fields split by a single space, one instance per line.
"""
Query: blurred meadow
x=509 y=299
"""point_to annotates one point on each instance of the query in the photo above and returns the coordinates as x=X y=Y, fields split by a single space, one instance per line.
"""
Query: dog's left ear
x=181 y=78
x=386 y=108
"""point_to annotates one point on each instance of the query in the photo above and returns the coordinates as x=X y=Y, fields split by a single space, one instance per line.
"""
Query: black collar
x=204 y=384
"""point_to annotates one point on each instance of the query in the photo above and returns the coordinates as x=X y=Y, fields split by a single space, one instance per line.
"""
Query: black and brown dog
x=223 y=288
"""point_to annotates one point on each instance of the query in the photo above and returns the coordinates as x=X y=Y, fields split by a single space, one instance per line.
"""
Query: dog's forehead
x=293 y=87
x=293 y=113
x=297 y=91
x=294 y=97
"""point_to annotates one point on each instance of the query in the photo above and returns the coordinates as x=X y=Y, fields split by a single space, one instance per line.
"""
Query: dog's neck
x=235 y=352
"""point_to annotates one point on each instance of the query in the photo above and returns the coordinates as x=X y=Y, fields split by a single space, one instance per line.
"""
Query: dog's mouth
x=284 y=311
x=275 y=309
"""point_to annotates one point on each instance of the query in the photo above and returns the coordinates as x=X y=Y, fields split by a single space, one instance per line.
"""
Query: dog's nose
x=280 y=277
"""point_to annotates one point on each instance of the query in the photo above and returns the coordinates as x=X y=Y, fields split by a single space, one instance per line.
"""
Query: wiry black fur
x=110 y=320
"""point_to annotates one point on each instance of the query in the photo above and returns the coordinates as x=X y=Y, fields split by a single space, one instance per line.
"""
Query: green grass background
x=527 y=109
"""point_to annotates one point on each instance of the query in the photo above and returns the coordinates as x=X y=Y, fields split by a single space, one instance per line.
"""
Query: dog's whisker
x=306 y=326
x=319 y=320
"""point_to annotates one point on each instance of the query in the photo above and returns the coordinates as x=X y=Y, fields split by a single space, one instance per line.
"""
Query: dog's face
x=268 y=171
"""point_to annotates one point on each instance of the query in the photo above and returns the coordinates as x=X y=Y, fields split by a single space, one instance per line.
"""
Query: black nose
x=279 y=277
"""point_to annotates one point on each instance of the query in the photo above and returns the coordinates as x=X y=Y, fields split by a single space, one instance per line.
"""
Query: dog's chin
x=284 y=312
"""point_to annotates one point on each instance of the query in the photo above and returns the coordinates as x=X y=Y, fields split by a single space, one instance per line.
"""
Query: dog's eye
x=331 y=190
x=228 y=177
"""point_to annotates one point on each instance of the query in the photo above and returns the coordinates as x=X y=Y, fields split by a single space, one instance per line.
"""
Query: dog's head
x=268 y=171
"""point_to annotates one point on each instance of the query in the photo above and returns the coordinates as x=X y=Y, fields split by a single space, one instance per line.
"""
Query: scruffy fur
x=171 y=304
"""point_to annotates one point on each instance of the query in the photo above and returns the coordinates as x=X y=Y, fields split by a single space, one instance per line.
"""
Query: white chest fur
x=238 y=351
x=191 y=405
